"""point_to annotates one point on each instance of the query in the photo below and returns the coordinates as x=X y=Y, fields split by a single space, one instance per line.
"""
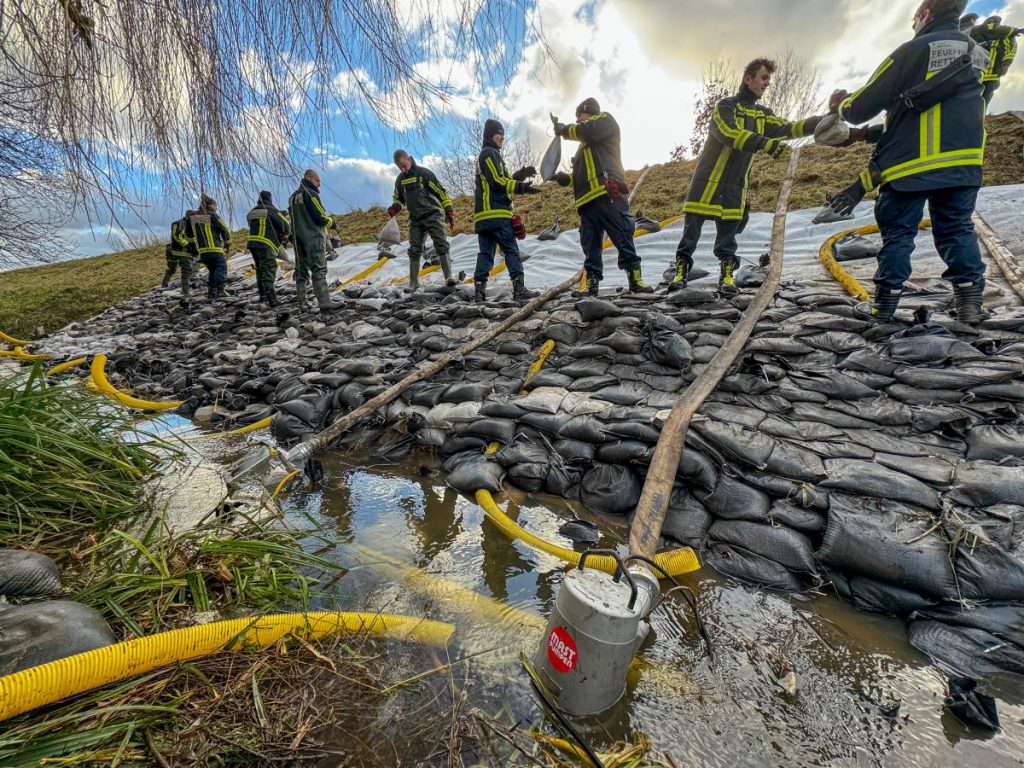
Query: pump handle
x=620 y=570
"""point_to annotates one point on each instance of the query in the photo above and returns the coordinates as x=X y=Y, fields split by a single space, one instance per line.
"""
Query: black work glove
x=525 y=173
x=776 y=149
x=843 y=203
x=561 y=129
x=562 y=178
x=526 y=188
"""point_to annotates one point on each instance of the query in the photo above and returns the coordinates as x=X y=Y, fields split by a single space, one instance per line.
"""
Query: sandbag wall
x=884 y=462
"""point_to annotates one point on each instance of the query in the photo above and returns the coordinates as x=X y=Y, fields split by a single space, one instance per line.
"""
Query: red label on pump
x=562 y=650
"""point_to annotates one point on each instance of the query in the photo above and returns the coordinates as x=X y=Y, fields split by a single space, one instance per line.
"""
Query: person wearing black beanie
x=602 y=197
x=268 y=230
x=493 y=213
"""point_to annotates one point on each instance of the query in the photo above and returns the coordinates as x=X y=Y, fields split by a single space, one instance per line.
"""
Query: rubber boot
x=167 y=279
x=967 y=297
x=636 y=282
x=480 y=291
x=263 y=294
x=520 y=291
x=272 y=297
x=682 y=275
x=592 y=288
x=323 y=295
x=884 y=308
x=414 y=275
x=446 y=269
x=185 y=287
x=300 y=294
x=726 y=282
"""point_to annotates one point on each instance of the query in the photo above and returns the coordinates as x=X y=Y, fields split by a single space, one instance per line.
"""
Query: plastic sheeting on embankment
x=884 y=461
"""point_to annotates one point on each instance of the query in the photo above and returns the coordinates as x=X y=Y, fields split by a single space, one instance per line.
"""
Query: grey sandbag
x=839 y=342
x=562 y=333
x=550 y=423
x=686 y=519
x=777 y=345
x=883 y=540
x=788 y=460
x=931 y=348
x=501 y=430
x=963 y=377
x=477 y=473
x=995 y=442
x=27 y=574
x=741 y=445
x=585 y=428
x=982 y=484
x=551 y=160
x=529 y=477
x=625 y=452
x=610 y=489
x=734 y=500
x=625 y=393
x=564 y=481
x=831 y=383
x=575 y=451
x=665 y=346
x=932 y=470
x=595 y=309
x=288 y=429
x=871 y=479
x=806 y=521
x=462 y=392
x=798 y=429
x=773 y=542
x=853 y=247
x=39 y=633
x=460 y=443
x=868 y=361
x=880 y=410
x=869 y=594
x=521 y=452
x=697 y=469
x=984 y=569
x=966 y=651
x=751 y=568
x=802 y=495
x=1006 y=620
x=635 y=430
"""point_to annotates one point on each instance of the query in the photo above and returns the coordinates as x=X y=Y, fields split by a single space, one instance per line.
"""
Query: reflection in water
x=793 y=682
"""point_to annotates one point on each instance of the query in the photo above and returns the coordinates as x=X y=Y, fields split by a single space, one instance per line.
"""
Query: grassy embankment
x=52 y=296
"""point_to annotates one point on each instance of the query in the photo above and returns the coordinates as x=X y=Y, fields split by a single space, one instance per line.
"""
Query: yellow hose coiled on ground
x=365 y=273
x=14 y=341
x=641 y=232
x=675 y=562
x=57 y=680
x=850 y=284
x=99 y=378
x=21 y=354
x=66 y=366
x=546 y=349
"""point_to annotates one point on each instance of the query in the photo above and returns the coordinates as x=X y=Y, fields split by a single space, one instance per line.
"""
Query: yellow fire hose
x=497 y=269
x=66 y=366
x=11 y=340
x=70 y=676
x=99 y=378
x=641 y=232
x=20 y=354
x=675 y=562
x=364 y=274
x=826 y=255
x=546 y=349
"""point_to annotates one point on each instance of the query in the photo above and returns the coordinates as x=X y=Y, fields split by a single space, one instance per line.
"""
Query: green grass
x=50 y=297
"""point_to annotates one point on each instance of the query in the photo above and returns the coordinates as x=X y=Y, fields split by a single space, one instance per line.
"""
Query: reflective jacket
x=267 y=227
x=308 y=217
x=944 y=146
x=599 y=158
x=208 y=232
x=1000 y=44
x=181 y=245
x=421 y=192
x=494 y=187
x=739 y=128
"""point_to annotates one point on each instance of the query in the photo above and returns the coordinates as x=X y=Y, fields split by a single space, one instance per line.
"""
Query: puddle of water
x=863 y=695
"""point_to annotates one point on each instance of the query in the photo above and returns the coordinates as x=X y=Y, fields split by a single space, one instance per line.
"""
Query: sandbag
x=883 y=539
x=500 y=430
x=932 y=470
x=963 y=378
x=635 y=430
x=734 y=500
x=870 y=479
x=995 y=442
x=686 y=519
x=869 y=594
x=27 y=574
x=477 y=473
x=773 y=542
x=551 y=160
x=931 y=349
x=806 y=521
x=564 y=481
x=625 y=393
x=458 y=393
x=751 y=568
x=625 y=452
x=666 y=347
x=521 y=452
x=575 y=451
x=38 y=633
x=697 y=469
x=542 y=399
x=966 y=651
x=984 y=569
x=585 y=428
x=788 y=460
x=528 y=477
x=982 y=484
x=803 y=495
x=595 y=309
x=741 y=445
x=610 y=489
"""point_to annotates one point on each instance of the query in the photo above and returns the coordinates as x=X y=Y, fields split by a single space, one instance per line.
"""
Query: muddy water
x=795 y=681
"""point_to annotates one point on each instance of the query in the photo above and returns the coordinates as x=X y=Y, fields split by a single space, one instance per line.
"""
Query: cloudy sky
x=642 y=59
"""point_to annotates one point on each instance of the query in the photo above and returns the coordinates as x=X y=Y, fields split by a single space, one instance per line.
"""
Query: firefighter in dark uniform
x=418 y=189
x=718 y=191
x=179 y=255
x=310 y=223
x=492 y=213
x=209 y=237
x=931 y=151
x=1000 y=43
x=268 y=231
x=602 y=197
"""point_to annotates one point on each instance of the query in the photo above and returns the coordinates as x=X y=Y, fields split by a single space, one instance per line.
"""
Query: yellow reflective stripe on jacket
x=716 y=175
x=571 y=133
x=934 y=162
x=931 y=131
x=714 y=211
x=739 y=136
x=261 y=237
x=320 y=209
x=445 y=200
x=848 y=101
x=508 y=183
x=866 y=181
x=594 y=187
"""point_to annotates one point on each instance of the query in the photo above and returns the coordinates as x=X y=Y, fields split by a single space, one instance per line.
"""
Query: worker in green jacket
x=1000 y=44
x=310 y=223
x=268 y=231
x=179 y=255
x=418 y=189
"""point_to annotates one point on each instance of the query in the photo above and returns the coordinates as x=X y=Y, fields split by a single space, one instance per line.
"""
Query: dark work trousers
x=217 y=265
x=989 y=91
x=497 y=233
x=725 y=239
x=602 y=216
x=898 y=215
x=266 y=268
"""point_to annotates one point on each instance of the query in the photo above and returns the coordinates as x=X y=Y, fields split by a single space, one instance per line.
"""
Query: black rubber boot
x=968 y=300
x=726 y=283
x=271 y=297
x=636 y=282
x=167 y=279
x=682 y=274
x=323 y=296
x=592 y=287
x=884 y=308
x=480 y=290
x=301 y=296
x=519 y=290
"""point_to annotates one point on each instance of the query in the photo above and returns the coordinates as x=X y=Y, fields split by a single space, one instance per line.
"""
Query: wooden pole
x=1000 y=254
x=645 y=532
